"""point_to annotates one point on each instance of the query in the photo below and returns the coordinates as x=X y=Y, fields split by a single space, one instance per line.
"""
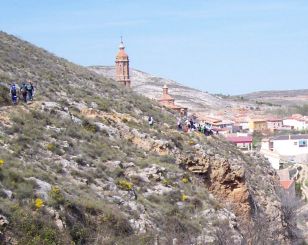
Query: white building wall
x=244 y=125
x=297 y=125
x=288 y=147
x=274 y=161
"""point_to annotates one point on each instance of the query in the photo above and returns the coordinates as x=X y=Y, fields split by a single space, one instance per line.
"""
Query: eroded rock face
x=241 y=185
x=221 y=179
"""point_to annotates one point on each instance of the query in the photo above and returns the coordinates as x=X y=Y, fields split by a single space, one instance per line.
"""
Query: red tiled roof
x=240 y=139
x=286 y=184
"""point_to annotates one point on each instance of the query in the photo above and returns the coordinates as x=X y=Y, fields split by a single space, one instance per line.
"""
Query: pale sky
x=220 y=46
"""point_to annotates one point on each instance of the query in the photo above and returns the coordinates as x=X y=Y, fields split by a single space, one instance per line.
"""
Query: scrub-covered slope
x=81 y=165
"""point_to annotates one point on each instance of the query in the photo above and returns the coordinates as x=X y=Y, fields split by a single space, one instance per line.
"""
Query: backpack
x=13 y=90
x=29 y=87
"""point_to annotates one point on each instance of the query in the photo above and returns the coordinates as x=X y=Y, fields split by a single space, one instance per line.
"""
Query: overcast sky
x=220 y=46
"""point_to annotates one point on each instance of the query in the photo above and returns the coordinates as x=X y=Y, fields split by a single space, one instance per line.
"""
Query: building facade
x=122 y=66
x=242 y=142
x=285 y=148
x=274 y=124
x=296 y=122
x=257 y=125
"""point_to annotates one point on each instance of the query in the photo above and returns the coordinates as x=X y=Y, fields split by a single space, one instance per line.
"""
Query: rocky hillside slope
x=283 y=97
x=151 y=87
x=80 y=165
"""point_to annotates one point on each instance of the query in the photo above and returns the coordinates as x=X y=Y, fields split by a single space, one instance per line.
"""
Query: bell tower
x=122 y=66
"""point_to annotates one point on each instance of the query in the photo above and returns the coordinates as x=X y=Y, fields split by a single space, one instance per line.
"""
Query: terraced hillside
x=81 y=165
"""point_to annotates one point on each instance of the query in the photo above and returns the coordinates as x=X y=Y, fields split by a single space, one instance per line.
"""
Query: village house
x=228 y=124
x=209 y=120
x=244 y=124
x=168 y=101
x=274 y=124
x=259 y=125
x=222 y=126
x=242 y=142
x=289 y=148
x=296 y=122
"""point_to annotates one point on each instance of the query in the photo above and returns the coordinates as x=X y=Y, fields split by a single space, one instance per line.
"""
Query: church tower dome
x=122 y=66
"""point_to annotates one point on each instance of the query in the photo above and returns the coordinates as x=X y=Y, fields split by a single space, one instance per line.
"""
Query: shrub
x=116 y=222
x=166 y=182
x=38 y=203
x=34 y=228
x=51 y=147
x=4 y=98
x=125 y=185
x=185 y=180
x=1 y=162
x=56 y=195
x=89 y=126
x=184 y=198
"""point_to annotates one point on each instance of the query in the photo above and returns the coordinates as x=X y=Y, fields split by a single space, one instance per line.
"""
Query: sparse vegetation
x=71 y=178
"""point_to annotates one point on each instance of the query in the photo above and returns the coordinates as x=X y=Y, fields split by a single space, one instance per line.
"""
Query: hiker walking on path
x=23 y=91
x=30 y=90
x=151 y=121
x=13 y=92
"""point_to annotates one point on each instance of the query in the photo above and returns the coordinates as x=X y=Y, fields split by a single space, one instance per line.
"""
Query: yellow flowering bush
x=38 y=203
x=184 y=198
x=51 y=147
x=125 y=185
x=185 y=180
x=56 y=195
x=1 y=162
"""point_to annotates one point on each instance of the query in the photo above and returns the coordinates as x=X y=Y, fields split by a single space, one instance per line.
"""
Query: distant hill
x=151 y=87
x=283 y=97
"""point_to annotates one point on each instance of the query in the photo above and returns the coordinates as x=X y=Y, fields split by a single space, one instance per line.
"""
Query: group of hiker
x=24 y=92
x=188 y=125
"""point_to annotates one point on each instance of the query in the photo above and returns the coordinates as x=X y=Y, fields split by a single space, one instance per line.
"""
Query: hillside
x=151 y=87
x=81 y=165
x=282 y=97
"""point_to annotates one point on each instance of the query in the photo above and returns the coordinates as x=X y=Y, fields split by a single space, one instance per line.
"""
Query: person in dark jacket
x=30 y=90
x=23 y=92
